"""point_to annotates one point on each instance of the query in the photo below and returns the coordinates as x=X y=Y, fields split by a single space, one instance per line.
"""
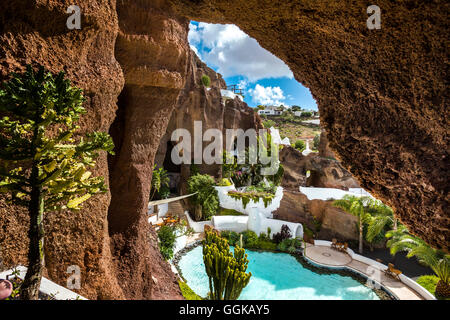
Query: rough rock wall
x=321 y=217
x=35 y=31
x=152 y=50
x=382 y=94
x=324 y=172
x=206 y=105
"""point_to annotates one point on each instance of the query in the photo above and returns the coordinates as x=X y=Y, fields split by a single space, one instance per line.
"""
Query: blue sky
x=241 y=60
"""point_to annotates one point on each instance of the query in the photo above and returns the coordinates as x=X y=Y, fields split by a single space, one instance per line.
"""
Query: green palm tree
x=357 y=206
x=382 y=216
x=437 y=260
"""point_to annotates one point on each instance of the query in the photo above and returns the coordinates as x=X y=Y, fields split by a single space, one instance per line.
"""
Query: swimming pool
x=278 y=276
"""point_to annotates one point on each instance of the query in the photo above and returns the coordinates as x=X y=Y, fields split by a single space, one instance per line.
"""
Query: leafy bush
x=428 y=282
x=285 y=233
x=266 y=245
x=268 y=123
x=250 y=239
x=160 y=183
x=224 y=183
x=316 y=142
x=307 y=114
x=206 y=80
x=300 y=145
x=231 y=236
x=289 y=245
x=206 y=195
x=166 y=236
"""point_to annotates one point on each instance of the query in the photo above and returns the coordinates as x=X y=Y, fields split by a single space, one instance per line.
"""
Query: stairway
x=176 y=209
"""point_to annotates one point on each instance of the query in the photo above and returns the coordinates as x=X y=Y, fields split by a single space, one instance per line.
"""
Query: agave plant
x=357 y=206
x=437 y=260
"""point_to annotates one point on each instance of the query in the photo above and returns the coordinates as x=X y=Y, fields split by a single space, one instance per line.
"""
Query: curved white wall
x=255 y=222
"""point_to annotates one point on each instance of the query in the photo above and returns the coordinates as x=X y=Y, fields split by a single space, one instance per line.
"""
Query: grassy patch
x=428 y=282
x=229 y=212
x=294 y=129
x=187 y=292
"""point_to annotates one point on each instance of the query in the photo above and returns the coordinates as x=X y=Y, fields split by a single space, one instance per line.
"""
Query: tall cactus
x=226 y=272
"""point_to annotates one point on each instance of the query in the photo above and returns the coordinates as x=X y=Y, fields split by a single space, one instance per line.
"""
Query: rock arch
x=382 y=96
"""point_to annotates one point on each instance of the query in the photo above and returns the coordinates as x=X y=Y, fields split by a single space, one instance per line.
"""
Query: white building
x=271 y=111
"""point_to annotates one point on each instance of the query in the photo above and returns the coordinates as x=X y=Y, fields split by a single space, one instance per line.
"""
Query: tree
x=43 y=167
x=381 y=217
x=296 y=108
x=437 y=260
x=226 y=272
x=206 y=198
x=356 y=206
x=260 y=107
x=160 y=183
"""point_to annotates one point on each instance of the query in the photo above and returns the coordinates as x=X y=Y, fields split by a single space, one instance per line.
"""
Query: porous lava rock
x=382 y=93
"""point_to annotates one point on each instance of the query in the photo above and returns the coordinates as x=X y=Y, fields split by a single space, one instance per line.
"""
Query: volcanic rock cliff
x=207 y=107
x=382 y=95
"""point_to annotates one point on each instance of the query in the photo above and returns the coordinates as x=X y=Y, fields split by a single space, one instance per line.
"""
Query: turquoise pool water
x=278 y=276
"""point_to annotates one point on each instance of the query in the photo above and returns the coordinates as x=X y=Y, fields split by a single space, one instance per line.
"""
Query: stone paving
x=326 y=256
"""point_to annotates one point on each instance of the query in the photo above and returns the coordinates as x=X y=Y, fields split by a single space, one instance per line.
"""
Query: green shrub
x=316 y=142
x=300 y=145
x=166 y=236
x=160 y=183
x=289 y=245
x=231 y=236
x=187 y=292
x=250 y=239
x=428 y=282
x=206 y=80
x=206 y=195
x=224 y=183
x=264 y=244
x=306 y=114
x=268 y=123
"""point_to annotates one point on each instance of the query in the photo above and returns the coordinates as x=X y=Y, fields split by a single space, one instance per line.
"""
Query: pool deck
x=326 y=256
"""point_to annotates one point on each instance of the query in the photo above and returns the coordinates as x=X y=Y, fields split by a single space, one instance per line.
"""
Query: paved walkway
x=326 y=256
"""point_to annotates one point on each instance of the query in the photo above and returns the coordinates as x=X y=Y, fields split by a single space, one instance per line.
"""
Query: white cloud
x=267 y=95
x=233 y=53
x=193 y=48
x=242 y=84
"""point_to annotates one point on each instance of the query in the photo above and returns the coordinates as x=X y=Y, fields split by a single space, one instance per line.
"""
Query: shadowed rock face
x=382 y=94
x=197 y=103
x=36 y=32
x=382 y=98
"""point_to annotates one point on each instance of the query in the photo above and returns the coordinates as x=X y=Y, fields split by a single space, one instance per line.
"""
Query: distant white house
x=271 y=111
